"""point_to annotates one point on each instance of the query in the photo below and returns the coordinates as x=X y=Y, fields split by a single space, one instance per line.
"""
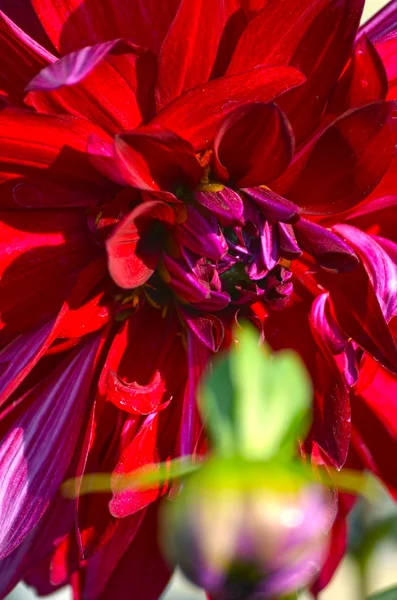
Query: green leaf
x=257 y=403
x=389 y=594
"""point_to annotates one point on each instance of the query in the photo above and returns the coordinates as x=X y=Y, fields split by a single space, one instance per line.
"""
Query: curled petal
x=329 y=250
x=208 y=329
x=364 y=81
x=196 y=114
x=225 y=204
x=202 y=235
x=274 y=207
x=153 y=158
x=134 y=398
x=253 y=145
x=348 y=160
x=133 y=253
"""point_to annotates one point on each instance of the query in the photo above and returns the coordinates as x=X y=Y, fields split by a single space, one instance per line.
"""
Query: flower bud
x=248 y=542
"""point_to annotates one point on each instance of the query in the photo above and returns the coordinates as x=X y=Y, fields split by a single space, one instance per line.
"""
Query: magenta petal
x=274 y=207
x=225 y=204
x=329 y=250
x=207 y=328
x=380 y=266
x=38 y=442
x=334 y=337
x=72 y=68
x=202 y=235
x=382 y=23
x=288 y=245
x=19 y=357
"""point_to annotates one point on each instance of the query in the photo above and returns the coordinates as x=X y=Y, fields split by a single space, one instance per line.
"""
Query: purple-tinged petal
x=288 y=245
x=72 y=68
x=332 y=334
x=207 y=328
x=328 y=249
x=380 y=266
x=274 y=207
x=19 y=357
x=198 y=358
x=269 y=246
x=382 y=23
x=202 y=235
x=225 y=204
x=38 y=442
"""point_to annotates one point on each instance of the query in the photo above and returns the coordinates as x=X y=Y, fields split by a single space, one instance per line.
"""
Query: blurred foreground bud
x=248 y=531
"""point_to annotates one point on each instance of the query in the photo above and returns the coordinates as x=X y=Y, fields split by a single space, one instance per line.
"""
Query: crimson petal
x=71 y=23
x=364 y=81
x=348 y=160
x=38 y=443
x=192 y=56
x=253 y=145
x=131 y=258
x=153 y=158
x=116 y=107
x=22 y=58
x=196 y=114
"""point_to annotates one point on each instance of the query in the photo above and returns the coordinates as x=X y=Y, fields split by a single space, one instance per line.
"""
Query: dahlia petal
x=382 y=23
x=153 y=159
x=39 y=441
x=71 y=23
x=192 y=56
x=207 y=328
x=380 y=266
x=19 y=357
x=56 y=522
x=374 y=436
x=265 y=143
x=275 y=33
x=226 y=205
x=336 y=552
x=358 y=313
x=116 y=107
x=202 y=235
x=134 y=398
x=328 y=249
x=39 y=263
x=274 y=207
x=101 y=154
x=364 y=81
x=288 y=245
x=196 y=114
x=330 y=39
x=333 y=336
x=347 y=161
x=387 y=51
x=140 y=453
x=22 y=13
x=22 y=57
x=104 y=563
x=143 y=568
x=132 y=258
x=198 y=358
x=38 y=142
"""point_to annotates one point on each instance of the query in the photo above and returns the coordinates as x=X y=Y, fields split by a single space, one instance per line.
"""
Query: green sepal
x=389 y=594
x=256 y=403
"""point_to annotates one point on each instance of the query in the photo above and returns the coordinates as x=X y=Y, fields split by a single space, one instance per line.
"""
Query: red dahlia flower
x=166 y=167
